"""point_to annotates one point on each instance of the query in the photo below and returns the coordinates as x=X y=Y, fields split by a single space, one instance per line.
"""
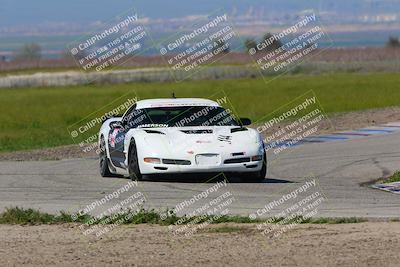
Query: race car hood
x=202 y=139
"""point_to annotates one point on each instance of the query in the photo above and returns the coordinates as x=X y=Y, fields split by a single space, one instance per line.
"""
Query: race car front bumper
x=202 y=163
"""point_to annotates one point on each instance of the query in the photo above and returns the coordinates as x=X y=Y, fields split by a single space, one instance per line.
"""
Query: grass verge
x=394 y=178
x=34 y=118
x=23 y=216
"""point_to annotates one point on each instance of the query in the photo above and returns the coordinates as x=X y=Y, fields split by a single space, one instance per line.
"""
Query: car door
x=116 y=139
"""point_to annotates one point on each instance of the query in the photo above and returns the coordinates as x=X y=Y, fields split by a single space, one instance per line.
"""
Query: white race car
x=179 y=136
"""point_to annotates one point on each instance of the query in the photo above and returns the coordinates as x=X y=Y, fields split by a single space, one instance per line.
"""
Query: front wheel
x=258 y=177
x=133 y=163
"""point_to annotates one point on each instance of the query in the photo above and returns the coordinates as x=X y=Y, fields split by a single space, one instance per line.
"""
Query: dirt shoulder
x=54 y=153
x=363 y=244
x=337 y=122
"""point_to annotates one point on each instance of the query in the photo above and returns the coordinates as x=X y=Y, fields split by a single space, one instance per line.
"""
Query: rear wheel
x=133 y=163
x=103 y=160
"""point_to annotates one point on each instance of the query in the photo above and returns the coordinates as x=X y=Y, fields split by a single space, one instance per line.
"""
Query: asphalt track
x=339 y=167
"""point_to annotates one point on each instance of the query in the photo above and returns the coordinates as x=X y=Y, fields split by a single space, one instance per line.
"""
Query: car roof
x=175 y=102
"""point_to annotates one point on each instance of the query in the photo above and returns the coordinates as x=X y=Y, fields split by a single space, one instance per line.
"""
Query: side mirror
x=116 y=125
x=245 y=121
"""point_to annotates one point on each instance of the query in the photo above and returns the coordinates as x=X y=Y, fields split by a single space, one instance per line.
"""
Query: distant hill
x=44 y=11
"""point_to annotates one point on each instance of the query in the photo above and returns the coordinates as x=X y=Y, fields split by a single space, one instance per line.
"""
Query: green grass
x=31 y=216
x=394 y=178
x=23 y=216
x=39 y=117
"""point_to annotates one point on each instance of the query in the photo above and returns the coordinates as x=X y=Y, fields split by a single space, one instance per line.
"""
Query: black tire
x=104 y=161
x=133 y=163
x=258 y=177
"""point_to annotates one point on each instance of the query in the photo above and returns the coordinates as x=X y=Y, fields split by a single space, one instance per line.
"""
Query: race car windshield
x=181 y=117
